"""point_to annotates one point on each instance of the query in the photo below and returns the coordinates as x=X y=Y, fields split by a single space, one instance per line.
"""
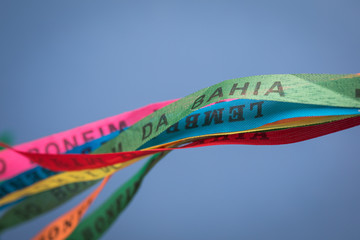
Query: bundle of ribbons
x=40 y=175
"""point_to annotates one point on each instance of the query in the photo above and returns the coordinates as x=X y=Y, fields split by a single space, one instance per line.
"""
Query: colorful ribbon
x=261 y=110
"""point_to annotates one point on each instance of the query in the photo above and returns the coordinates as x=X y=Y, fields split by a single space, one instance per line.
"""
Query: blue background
x=67 y=63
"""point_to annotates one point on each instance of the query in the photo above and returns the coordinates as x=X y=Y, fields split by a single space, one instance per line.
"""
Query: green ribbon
x=41 y=203
x=95 y=224
x=322 y=89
